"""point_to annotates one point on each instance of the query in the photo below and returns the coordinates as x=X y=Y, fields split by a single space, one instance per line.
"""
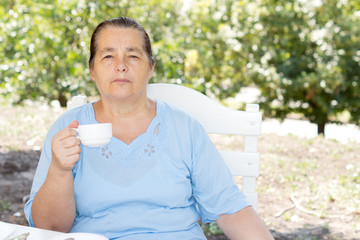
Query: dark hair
x=120 y=22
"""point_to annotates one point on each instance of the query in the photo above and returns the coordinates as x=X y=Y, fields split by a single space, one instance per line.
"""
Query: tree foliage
x=302 y=55
x=46 y=43
x=307 y=59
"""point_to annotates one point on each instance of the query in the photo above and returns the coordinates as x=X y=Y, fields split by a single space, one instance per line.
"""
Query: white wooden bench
x=218 y=119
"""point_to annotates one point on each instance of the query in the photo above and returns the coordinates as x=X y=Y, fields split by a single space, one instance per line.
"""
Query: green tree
x=303 y=55
x=46 y=43
x=307 y=59
x=212 y=63
x=46 y=50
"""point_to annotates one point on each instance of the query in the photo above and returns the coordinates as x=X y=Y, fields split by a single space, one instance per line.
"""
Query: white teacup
x=95 y=135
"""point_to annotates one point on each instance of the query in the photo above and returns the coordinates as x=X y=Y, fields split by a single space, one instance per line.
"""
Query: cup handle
x=77 y=132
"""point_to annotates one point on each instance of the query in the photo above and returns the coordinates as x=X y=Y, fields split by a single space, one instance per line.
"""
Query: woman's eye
x=108 y=56
x=133 y=56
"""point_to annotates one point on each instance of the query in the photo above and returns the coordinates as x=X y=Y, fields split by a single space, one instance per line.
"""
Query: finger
x=73 y=124
x=74 y=158
x=67 y=158
x=62 y=152
x=72 y=151
x=65 y=133
x=65 y=147
x=70 y=142
x=69 y=162
x=68 y=131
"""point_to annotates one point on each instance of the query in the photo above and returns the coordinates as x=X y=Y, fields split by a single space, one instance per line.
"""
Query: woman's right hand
x=65 y=148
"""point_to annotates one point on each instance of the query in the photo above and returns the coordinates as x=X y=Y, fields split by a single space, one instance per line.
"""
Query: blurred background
x=302 y=56
x=300 y=60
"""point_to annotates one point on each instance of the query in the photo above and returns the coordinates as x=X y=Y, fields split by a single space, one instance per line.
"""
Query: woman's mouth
x=121 y=81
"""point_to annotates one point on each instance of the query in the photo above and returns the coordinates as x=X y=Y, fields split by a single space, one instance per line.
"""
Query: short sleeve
x=213 y=185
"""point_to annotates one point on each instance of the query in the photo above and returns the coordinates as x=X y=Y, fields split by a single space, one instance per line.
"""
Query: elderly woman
x=156 y=178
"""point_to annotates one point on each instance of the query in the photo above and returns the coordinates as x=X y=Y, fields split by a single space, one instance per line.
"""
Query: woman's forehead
x=120 y=37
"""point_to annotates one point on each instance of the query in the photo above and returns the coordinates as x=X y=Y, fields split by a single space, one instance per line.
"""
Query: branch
x=301 y=208
x=285 y=210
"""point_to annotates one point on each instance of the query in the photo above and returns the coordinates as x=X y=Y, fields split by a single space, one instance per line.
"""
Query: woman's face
x=121 y=67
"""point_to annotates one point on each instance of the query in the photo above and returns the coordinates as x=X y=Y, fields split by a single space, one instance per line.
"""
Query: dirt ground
x=308 y=188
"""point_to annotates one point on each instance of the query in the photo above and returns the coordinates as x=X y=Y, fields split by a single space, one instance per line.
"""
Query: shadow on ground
x=17 y=169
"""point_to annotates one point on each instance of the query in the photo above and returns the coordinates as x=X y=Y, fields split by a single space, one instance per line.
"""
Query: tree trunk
x=321 y=128
x=62 y=99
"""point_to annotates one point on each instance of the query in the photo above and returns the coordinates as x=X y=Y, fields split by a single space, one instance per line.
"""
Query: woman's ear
x=92 y=74
x=152 y=69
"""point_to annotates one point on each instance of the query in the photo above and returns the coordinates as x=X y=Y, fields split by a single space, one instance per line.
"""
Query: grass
x=211 y=229
x=323 y=173
x=4 y=205
x=25 y=127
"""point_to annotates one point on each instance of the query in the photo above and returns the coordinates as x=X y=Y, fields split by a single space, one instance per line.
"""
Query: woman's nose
x=121 y=66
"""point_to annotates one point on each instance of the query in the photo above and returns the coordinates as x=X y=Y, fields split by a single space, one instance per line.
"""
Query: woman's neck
x=129 y=120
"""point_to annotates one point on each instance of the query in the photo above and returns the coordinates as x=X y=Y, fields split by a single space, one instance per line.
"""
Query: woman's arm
x=244 y=224
x=53 y=207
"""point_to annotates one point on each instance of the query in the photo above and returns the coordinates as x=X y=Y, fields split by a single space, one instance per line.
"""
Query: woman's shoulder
x=174 y=115
x=171 y=111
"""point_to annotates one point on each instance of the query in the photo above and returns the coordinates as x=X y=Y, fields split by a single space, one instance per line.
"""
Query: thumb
x=74 y=124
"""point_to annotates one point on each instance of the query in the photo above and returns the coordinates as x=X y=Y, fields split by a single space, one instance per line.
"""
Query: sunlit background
x=299 y=60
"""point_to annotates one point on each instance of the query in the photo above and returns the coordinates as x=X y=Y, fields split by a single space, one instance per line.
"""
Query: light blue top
x=157 y=187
